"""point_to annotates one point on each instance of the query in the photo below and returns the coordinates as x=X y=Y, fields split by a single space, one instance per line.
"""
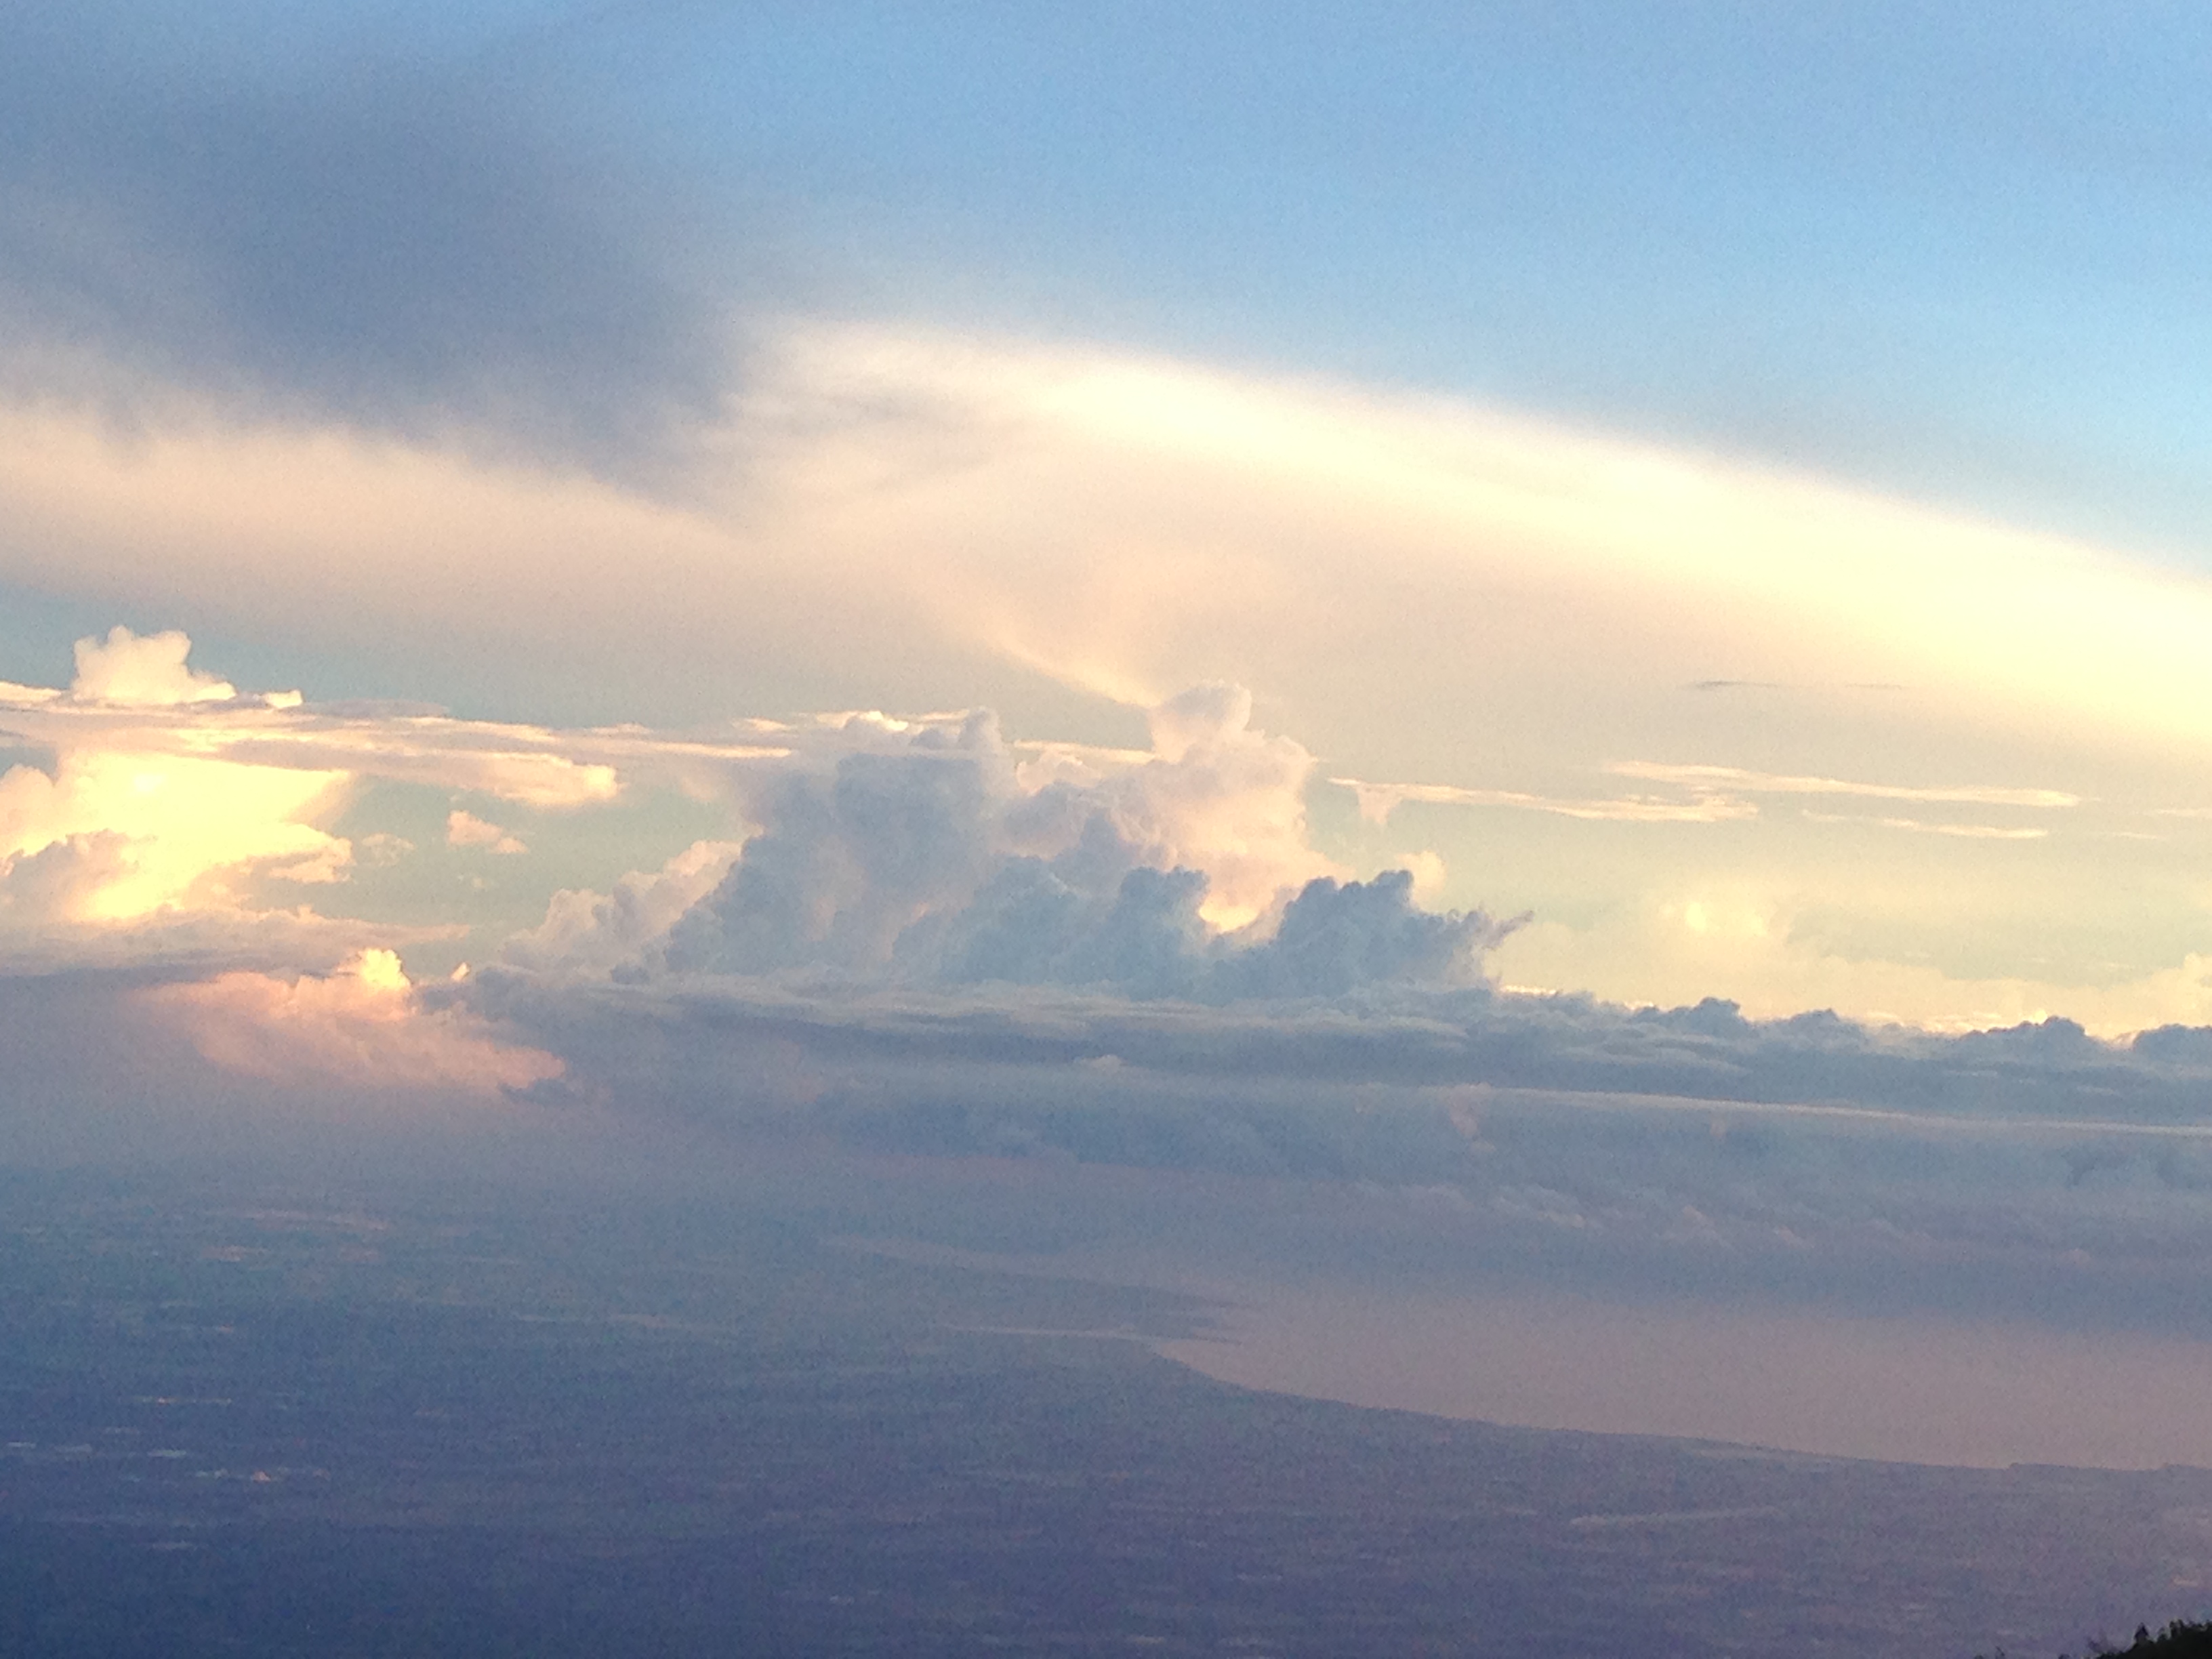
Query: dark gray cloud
x=1336 y=938
x=409 y=250
x=1685 y=1151
x=1406 y=1036
x=1145 y=938
x=846 y=865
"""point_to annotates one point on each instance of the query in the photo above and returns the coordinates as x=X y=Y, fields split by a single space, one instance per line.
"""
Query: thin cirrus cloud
x=1964 y=831
x=1721 y=558
x=1714 y=797
x=1378 y=801
x=1767 y=783
x=1012 y=517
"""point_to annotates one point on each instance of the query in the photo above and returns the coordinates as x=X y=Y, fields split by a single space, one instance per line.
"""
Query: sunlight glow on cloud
x=1242 y=505
x=1494 y=606
x=364 y=1025
x=125 y=668
x=464 y=828
x=179 y=831
x=170 y=796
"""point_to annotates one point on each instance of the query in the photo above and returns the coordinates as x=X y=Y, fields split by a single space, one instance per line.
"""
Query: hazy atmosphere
x=1497 y=711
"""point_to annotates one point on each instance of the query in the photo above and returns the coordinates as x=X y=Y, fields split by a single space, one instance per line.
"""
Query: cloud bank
x=920 y=937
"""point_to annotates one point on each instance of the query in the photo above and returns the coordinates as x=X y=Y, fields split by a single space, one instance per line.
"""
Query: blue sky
x=1955 y=251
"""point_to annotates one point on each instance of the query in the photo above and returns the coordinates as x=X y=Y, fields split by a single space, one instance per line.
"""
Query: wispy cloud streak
x=1378 y=801
x=1702 y=777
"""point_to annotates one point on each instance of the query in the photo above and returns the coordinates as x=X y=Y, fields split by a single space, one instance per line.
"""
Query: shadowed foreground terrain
x=2183 y=1638
x=272 y=1424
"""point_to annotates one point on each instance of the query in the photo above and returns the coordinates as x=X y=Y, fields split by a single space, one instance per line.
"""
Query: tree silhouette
x=2182 y=1639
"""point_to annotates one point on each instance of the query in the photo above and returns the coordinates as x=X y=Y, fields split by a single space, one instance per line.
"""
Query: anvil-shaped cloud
x=1678 y=707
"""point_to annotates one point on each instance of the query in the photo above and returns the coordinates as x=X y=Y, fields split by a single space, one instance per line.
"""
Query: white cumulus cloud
x=146 y=671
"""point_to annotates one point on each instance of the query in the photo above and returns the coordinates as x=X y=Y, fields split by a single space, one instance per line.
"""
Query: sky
x=1417 y=597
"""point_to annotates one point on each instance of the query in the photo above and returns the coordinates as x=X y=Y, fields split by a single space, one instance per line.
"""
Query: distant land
x=257 y=1420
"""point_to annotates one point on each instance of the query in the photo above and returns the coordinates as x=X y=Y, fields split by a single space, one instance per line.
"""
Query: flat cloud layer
x=1440 y=1137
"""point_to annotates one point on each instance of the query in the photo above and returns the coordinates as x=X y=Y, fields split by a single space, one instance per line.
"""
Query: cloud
x=1218 y=796
x=1148 y=937
x=529 y=765
x=1704 y=778
x=150 y=672
x=191 y=944
x=361 y=1026
x=1777 y=953
x=169 y=792
x=60 y=880
x=135 y=814
x=1657 y=1152
x=1378 y=801
x=847 y=864
x=939 y=852
x=918 y=847
x=1335 y=940
x=464 y=828
x=1565 y=578
x=164 y=794
x=1713 y=793
x=173 y=832
x=594 y=934
x=1965 y=831
x=1143 y=936
x=1359 y=555
x=1424 y=590
x=389 y=248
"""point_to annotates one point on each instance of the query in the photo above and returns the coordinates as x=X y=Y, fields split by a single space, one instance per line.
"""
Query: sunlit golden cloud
x=176 y=823
x=362 y=1026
